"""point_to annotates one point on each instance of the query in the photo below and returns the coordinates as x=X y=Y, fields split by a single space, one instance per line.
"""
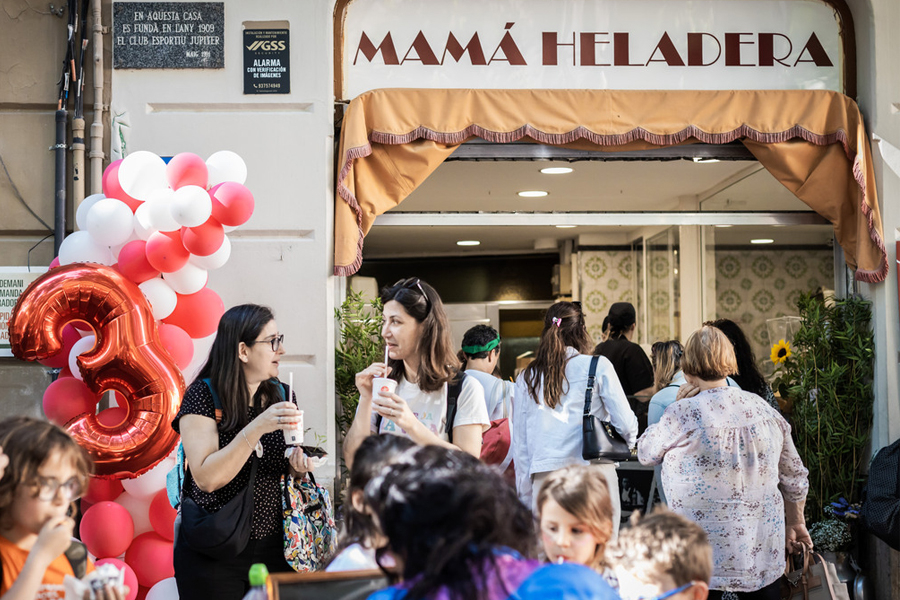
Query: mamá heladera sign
x=591 y=44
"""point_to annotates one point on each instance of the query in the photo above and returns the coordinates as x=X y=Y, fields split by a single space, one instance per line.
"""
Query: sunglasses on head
x=414 y=284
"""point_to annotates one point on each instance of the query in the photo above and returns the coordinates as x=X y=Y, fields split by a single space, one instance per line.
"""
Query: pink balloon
x=130 y=578
x=232 y=203
x=112 y=189
x=165 y=252
x=111 y=417
x=162 y=516
x=187 y=169
x=70 y=335
x=198 y=314
x=54 y=263
x=204 y=239
x=65 y=399
x=178 y=343
x=102 y=490
x=150 y=555
x=133 y=262
x=106 y=529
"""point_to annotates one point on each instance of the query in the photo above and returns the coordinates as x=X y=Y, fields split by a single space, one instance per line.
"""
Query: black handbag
x=222 y=534
x=599 y=438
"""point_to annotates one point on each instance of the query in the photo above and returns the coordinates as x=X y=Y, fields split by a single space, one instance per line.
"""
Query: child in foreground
x=46 y=473
x=575 y=516
x=662 y=556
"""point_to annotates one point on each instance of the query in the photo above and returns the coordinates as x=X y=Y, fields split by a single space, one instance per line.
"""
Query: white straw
x=386 y=347
x=290 y=397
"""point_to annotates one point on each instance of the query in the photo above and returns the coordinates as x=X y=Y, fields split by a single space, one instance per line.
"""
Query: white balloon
x=110 y=222
x=143 y=223
x=160 y=210
x=80 y=347
x=150 y=482
x=189 y=279
x=161 y=297
x=141 y=173
x=191 y=206
x=139 y=509
x=165 y=589
x=225 y=165
x=84 y=207
x=214 y=260
x=80 y=246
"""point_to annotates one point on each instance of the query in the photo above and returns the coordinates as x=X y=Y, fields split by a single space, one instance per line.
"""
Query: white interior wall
x=282 y=256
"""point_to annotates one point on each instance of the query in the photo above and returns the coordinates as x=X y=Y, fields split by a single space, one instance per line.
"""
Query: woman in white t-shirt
x=422 y=361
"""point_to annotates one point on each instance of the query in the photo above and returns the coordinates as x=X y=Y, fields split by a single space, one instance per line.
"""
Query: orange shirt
x=51 y=587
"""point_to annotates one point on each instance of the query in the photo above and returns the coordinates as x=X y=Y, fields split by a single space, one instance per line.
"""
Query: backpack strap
x=453 y=390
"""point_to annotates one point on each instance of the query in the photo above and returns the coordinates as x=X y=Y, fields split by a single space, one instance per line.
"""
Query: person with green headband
x=479 y=355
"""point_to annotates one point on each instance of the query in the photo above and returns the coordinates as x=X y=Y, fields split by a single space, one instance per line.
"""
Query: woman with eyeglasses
x=550 y=400
x=730 y=465
x=434 y=402
x=47 y=471
x=232 y=415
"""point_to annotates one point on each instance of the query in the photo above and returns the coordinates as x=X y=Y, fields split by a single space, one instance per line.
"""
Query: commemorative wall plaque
x=168 y=35
x=267 y=67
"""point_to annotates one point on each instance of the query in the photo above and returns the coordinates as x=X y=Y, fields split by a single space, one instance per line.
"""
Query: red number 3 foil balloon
x=128 y=357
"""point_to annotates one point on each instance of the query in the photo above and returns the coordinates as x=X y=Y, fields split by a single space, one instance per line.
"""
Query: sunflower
x=781 y=351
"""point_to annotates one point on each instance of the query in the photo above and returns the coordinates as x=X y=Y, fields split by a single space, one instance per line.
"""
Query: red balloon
x=65 y=399
x=198 y=314
x=162 y=515
x=205 y=239
x=54 y=263
x=232 y=203
x=128 y=357
x=102 y=490
x=165 y=252
x=178 y=343
x=106 y=529
x=150 y=555
x=112 y=189
x=130 y=578
x=61 y=361
x=142 y=593
x=64 y=373
x=133 y=262
x=187 y=169
x=113 y=417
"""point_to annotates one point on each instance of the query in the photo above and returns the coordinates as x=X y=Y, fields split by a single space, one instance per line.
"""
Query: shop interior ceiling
x=492 y=185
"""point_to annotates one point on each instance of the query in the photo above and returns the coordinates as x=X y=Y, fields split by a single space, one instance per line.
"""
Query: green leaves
x=829 y=379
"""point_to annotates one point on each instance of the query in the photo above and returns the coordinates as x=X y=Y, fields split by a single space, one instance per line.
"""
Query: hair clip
x=556 y=321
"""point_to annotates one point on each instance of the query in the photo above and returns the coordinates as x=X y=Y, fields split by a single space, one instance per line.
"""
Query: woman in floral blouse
x=728 y=463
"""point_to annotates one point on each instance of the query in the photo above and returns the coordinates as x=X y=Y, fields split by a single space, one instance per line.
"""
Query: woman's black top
x=268 y=516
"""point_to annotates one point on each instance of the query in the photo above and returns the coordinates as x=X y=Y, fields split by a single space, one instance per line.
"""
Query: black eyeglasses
x=276 y=342
x=414 y=283
x=49 y=487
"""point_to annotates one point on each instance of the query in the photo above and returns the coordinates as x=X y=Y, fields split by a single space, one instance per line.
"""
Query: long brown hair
x=438 y=363
x=224 y=368
x=563 y=326
x=666 y=359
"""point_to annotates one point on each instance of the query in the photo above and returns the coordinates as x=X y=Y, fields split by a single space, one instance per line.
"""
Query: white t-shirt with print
x=431 y=408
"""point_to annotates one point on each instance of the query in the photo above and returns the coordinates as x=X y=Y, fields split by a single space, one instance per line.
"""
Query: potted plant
x=827 y=377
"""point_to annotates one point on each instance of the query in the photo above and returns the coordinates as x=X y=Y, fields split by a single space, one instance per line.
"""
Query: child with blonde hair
x=662 y=556
x=575 y=515
x=46 y=473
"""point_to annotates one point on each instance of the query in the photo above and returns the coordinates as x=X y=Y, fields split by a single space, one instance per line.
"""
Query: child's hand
x=108 y=592
x=54 y=538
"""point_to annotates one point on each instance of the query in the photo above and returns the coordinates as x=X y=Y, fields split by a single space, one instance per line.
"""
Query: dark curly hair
x=445 y=513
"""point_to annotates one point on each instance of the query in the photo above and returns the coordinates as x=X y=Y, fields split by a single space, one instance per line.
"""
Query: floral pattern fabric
x=728 y=461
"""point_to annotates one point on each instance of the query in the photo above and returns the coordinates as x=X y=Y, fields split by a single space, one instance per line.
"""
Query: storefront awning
x=813 y=142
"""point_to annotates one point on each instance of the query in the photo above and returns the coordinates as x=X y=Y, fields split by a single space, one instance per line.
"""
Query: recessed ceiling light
x=556 y=170
x=468 y=243
x=533 y=194
x=700 y=159
x=565 y=226
x=724 y=226
x=762 y=241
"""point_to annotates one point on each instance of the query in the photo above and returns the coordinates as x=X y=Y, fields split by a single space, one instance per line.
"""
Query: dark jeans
x=202 y=578
x=770 y=592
